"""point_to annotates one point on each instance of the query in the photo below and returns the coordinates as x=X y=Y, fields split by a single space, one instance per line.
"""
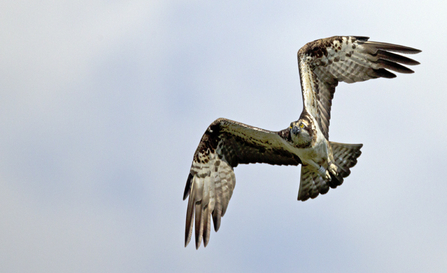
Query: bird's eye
x=291 y=125
x=302 y=125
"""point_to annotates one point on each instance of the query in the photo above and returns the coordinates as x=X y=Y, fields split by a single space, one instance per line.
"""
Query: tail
x=345 y=157
x=312 y=183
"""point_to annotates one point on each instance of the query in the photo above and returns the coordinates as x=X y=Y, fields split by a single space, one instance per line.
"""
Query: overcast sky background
x=103 y=104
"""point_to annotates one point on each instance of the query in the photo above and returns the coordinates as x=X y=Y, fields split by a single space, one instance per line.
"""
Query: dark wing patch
x=211 y=180
x=325 y=62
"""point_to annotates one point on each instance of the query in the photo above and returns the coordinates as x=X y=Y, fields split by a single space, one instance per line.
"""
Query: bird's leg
x=323 y=172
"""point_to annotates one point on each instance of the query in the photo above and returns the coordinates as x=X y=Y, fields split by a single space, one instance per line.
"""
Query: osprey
x=226 y=143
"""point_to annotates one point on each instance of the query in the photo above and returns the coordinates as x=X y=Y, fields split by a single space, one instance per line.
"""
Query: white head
x=302 y=133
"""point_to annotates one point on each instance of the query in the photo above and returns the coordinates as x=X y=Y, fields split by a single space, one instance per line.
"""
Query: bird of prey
x=324 y=164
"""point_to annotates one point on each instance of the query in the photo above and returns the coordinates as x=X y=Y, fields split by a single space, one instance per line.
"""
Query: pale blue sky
x=103 y=104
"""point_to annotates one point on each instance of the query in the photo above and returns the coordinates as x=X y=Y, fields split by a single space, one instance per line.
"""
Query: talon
x=333 y=169
x=328 y=176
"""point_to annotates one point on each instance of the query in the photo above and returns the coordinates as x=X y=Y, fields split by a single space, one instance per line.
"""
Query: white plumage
x=226 y=143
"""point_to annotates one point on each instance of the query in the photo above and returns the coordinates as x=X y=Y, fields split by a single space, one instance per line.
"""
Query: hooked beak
x=296 y=130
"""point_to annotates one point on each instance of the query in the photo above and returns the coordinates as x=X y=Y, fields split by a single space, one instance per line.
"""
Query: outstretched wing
x=211 y=180
x=325 y=62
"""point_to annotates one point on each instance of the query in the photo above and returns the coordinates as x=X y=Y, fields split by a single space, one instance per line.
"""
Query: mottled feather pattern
x=210 y=192
x=326 y=92
x=325 y=62
x=226 y=144
x=245 y=150
x=345 y=156
x=211 y=181
x=312 y=183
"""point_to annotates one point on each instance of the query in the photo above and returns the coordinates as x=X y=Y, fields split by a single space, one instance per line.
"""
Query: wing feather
x=198 y=209
x=211 y=180
x=311 y=184
x=385 y=55
x=372 y=47
x=225 y=144
x=189 y=216
x=325 y=62
x=217 y=213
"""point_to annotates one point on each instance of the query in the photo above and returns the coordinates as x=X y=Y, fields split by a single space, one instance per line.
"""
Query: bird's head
x=302 y=133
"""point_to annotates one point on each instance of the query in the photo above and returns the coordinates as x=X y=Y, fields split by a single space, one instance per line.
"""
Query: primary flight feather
x=226 y=143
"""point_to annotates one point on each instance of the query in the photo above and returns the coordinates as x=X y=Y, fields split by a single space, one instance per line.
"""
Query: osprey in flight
x=226 y=143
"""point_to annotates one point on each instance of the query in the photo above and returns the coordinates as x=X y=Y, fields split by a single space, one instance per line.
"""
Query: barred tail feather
x=312 y=183
x=345 y=156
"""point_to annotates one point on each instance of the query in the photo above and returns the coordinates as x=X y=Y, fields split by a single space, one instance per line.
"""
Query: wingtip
x=187 y=186
x=381 y=72
x=198 y=241
x=413 y=50
x=362 y=38
x=393 y=47
x=188 y=234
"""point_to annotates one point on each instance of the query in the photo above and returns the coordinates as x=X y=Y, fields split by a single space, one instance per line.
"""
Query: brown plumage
x=325 y=62
x=223 y=146
x=226 y=143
